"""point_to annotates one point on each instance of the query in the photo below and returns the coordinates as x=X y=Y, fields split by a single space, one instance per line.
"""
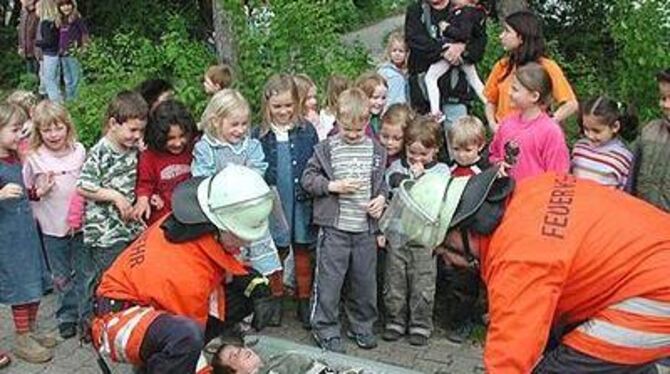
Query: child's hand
x=376 y=207
x=124 y=206
x=142 y=209
x=344 y=186
x=381 y=241
x=504 y=168
x=156 y=202
x=11 y=191
x=417 y=169
x=44 y=185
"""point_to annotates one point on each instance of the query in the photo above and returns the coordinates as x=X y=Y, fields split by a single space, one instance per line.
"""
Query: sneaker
x=460 y=334
x=45 y=339
x=365 y=341
x=391 y=335
x=333 y=344
x=29 y=350
x=418 y=340
x=67 y=330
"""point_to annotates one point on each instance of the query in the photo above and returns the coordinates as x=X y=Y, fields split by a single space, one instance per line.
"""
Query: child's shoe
x=304 y=313
x=5 y=360
x=29 y=350
x=391 y=335
x=45 y=339
x=67 y=330
x=277 y=312
x=461 y=334
x=365 y=341
x=418 y=340
x=333 y=344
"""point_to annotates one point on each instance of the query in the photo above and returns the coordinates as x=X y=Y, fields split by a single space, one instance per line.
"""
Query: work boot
x=29 y=350
x=304 y=313
x=277 y=312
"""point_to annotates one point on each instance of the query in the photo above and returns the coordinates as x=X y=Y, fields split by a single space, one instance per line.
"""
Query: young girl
x=288 y=143
x=48 y=42
x=51 y=171
x=539 y=137
x=394 y=122
x=308 y=103
x=334 y=87
x=601 y=155
x=394 y=70
x=73 y=34
x=410 y=273
x=27 y=101
x=375 y=87
x=167 y=160
x=21 y=262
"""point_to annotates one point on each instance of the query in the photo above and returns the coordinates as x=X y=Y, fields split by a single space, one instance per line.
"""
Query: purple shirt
x=71 y=36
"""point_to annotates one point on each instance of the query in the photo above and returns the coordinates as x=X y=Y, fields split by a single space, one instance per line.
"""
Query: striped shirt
x=353 y=161
x=608 y=164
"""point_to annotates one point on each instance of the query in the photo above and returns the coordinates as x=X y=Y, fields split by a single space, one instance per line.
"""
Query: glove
x=263 y=311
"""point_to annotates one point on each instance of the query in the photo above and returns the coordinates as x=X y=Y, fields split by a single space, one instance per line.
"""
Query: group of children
x=332 y=172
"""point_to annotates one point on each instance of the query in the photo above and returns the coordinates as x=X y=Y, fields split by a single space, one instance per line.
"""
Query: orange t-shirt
x=497 y=92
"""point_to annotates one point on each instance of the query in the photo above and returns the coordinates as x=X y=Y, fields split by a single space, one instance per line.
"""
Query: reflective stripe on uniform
x=202 y=367
x=623 y=336
x=644 y=306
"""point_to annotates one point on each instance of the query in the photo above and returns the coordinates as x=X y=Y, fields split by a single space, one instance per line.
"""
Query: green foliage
x=12 y=67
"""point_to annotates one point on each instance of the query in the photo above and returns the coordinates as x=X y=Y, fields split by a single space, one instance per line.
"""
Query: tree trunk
x=507 y=7
x=223 y=34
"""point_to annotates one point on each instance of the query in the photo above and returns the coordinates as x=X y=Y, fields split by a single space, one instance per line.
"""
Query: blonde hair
x=303 y=82
x=425 y=130
x=398 y=114
x=395 y=37
x=46 y=113
x=47 y=10
x=467 y=130
x=221 y=75
x=11 y=114
x=25 y=99
x=352 y=106
x=534 y=77
x=369 y=81
x=276 y=85
x=334 y=87
x=221 y=105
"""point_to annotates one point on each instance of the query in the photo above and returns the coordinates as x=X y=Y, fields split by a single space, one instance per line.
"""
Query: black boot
x=304 y=313
x=277 y=312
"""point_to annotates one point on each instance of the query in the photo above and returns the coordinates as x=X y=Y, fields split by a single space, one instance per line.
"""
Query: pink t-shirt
x=52 y=209
x=541 y=143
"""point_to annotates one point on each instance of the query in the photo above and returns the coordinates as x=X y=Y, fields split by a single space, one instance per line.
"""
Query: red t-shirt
x=158 y=173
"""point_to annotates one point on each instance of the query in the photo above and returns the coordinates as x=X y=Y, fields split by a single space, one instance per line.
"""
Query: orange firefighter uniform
x=157 y=276
x=572 y=252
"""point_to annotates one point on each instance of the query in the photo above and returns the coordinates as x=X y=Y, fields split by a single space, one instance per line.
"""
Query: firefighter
x=152 y=305
x=557 y=254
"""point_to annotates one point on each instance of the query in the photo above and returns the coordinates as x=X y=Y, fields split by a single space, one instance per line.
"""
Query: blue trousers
x=172 y=344
x=67 y=261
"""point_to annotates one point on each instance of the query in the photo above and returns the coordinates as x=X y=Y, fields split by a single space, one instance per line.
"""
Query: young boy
x=467 y=138
x=217 y=77
x=346 y=178
x=108 y=179
x=651 y=173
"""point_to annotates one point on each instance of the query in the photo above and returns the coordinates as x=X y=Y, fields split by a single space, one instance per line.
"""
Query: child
x=288 y=142
x=466 y=20
x=47 y=42
x=27 y=35
x=651 y=176
x=394 y=122
x=540 y=139
x=346 y=178
x=73 y=34
x=308 y=108
x=410 y=271
x=27 y=101
x=217 y=77
x=602 y=156
x=21 y=262
x=334 y=87
x=51 y=171
x=375 y=87
x=107 y=182
x=394 y=70
x=467 y=138
x=155 y=91
x=167 y=160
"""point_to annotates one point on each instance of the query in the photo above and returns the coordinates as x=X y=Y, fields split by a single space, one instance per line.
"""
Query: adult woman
x=523 y=40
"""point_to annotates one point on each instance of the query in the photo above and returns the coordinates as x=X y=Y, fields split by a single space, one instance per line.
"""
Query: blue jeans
x=66 y=257
x=95 y=261
x=71 y=76
x=51 y=77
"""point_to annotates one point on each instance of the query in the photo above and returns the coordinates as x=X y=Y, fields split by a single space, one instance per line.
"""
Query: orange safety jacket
x=572 y=252
x=184 y=279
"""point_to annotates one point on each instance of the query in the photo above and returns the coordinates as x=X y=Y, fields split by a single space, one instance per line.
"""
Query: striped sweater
x=608 y=164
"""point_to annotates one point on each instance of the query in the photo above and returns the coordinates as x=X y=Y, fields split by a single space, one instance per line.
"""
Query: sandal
x=5 y=360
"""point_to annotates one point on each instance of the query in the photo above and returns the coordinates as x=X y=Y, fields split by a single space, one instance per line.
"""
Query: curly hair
x=167 y=114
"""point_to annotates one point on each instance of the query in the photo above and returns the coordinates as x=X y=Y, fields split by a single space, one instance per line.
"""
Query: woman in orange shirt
x=523 y=40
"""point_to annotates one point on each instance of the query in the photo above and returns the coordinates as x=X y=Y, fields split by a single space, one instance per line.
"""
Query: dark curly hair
x=152 y=89
x=167 y=114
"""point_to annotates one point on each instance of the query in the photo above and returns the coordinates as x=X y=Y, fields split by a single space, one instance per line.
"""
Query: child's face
x=311 y=101
x=664 y=91
x=54 y=136
x=242 y=359
x=521 y=97
x=378 y=100
x=210 y=87
x=126 y=135
x=398 y=53
x=233 y=128
x=417 y=153
x=353 y=133
x=281 y=107
x=9 y=138
x=177 y=140
x=509 y=38
x=439 y=4
x=391 y=137
x=597 y=131
x=66 y=8
x=466 y=154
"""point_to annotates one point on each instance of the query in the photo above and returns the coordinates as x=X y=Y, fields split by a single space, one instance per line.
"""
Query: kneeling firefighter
x=152 y=305
x=569 y=258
